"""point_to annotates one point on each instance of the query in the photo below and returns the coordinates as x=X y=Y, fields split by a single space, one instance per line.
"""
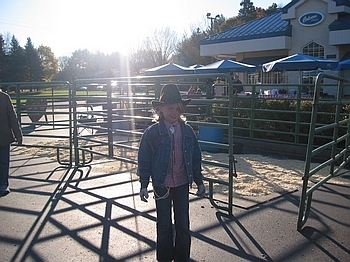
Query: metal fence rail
x=337 y=147
x=281 y=118
x=105 y=118
x=110 y=124
x=44 y=111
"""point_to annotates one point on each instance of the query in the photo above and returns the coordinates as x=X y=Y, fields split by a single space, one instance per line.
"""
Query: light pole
x=212 y=21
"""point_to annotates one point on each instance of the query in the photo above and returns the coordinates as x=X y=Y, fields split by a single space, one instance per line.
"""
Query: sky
x=108 y=25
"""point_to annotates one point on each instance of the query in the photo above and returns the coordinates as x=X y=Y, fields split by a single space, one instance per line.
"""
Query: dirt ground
x=257 y=175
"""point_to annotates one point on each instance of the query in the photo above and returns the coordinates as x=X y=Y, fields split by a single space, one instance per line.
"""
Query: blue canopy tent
x=169 y=69
x=225 y=66
x=344 y=64
x=299 y=62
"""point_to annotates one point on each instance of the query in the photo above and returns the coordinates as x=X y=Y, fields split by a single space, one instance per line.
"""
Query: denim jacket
x=154 y=155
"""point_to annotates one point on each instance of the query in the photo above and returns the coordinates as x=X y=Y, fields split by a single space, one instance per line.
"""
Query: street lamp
x=212 y=21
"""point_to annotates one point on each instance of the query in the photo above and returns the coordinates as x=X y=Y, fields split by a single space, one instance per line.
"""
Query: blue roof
x=337 y=2
x=267 y=26
x=299 y=62
x=344 y=64
x=169 y=69
x=270 y=26
x=226 y=65
x=340 y=24
x=342 y=2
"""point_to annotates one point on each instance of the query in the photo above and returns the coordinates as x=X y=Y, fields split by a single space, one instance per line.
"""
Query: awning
x=258 y=61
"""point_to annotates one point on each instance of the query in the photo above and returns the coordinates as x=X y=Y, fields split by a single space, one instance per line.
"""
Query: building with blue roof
x=277 y=32
x=318 y=28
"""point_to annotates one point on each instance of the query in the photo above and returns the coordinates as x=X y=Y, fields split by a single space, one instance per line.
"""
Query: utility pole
x=212 y=22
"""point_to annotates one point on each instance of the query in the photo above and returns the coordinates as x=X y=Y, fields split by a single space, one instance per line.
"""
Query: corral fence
x=112 y=124
x=336 y=144
x=105 y=118
x=45 y=114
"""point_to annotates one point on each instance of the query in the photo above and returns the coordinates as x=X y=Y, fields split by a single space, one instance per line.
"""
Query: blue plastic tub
x=210 y=134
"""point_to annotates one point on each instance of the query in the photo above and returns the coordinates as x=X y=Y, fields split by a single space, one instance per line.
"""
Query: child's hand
x=201 y=191
x=144 y=194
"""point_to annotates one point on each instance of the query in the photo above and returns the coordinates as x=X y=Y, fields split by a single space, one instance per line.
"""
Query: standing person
x=170 y=155
x=219 y=87
x=209 y=88
x=237 y=82
x=10 y=131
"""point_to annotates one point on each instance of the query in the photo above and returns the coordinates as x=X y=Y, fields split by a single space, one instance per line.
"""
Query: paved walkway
x=55 y=213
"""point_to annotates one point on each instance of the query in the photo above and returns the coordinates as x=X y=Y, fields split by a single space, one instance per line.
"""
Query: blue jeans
x=4 y=167
x=167 y=248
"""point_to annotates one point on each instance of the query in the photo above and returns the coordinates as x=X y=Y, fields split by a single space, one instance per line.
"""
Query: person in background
x=10 y=131
x=209 y=88
x=170 y=155
x=237 y=82
x=219 y=87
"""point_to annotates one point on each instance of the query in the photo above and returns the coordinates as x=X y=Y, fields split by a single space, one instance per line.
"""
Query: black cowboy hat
x=170 y=94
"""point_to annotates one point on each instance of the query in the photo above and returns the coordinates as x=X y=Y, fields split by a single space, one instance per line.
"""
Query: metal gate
x=92 y=118
x=330 y=136
x=44 y=110
x=109 y=124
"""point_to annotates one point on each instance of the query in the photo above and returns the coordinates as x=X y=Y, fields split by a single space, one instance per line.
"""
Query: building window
x=314 y=49
x=254 y=78
x=309 y=77
x=277 y=77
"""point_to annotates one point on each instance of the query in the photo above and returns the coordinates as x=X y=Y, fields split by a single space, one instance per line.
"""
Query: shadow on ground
x=59 y=213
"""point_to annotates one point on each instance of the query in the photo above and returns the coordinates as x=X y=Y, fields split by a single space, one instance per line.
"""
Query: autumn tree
x=161 y=46
x=187 y=51
x=48 y=61
x=261 y=12
x=156 y=50
x=138 y=61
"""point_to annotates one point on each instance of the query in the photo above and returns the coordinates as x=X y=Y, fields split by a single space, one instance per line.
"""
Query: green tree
x=229 y=23
x=272 y=9
x=48 y=61
x=116 y=64
x=33 y=67
x=247 y=12
x=78 y=64
x=102 y=65
x=3 y=58
x=16 y=62
x=85 y=64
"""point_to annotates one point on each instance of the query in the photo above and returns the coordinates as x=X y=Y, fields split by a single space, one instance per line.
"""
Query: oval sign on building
x=311 y=19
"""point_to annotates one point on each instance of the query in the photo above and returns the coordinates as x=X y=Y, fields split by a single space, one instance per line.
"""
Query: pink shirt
x=177 y=171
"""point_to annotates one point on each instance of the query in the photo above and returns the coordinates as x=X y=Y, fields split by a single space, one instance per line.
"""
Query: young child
x=169 y=154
